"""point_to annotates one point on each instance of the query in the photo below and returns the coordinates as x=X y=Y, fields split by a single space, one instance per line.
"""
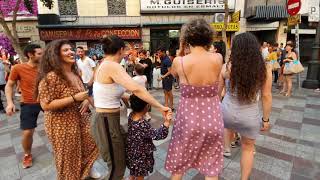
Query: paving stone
x=310 y=133
x=9 y=169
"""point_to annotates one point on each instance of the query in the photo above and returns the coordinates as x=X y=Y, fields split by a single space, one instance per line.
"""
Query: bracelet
x=74 y=100
x=264 y=120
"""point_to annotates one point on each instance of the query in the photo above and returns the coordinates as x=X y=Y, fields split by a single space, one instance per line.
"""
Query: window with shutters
x=117 y=7
x=68 y=7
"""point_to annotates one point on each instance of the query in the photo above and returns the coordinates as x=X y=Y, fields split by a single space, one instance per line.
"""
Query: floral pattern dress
x=139 y=149
x=68 y=131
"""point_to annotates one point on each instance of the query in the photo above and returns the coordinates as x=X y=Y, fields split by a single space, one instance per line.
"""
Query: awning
x=267 y=13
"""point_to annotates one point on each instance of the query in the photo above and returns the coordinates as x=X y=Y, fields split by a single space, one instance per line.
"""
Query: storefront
x=165 y=18
x=27 y=32
x=89 y=38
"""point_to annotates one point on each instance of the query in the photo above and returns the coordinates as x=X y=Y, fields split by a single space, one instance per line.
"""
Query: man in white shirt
x=265 y=51
x=86 y=66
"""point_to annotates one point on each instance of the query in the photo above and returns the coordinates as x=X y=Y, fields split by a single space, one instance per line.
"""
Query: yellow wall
x=92 y=8
x=133 y=8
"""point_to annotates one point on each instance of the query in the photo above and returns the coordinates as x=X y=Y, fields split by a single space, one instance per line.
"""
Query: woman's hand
x=84 y=107
x=165 y=111
x=81 y=96
x=167 y=119
x=265 y=126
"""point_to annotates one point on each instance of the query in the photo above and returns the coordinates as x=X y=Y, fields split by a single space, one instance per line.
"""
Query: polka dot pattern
x=197 y=133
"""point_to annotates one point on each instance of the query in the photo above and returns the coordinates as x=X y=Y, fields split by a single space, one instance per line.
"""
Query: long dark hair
x=248 y=70
x=51 y=62
x=221 y=48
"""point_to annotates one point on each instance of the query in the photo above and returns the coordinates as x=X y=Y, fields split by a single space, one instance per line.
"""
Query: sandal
x=265 y=125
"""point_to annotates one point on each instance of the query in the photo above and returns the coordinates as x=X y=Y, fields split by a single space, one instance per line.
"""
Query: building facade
x=26 y=22
x=142 y=23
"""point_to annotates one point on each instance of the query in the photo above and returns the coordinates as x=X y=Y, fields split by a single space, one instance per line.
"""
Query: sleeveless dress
x=243 y=118
x=197 y=138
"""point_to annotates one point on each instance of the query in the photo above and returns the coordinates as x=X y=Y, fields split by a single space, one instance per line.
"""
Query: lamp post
x=313 y=75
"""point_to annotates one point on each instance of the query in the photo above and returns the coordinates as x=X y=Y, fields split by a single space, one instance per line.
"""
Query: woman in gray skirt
x=245 y=77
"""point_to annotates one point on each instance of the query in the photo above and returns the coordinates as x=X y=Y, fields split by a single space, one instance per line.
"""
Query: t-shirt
x=165 y=65
x=265 y=53
x=27 y=76
x=147 y=70
x=2 y=73
x=141 y=80
x=272 y=56
x=85 y=67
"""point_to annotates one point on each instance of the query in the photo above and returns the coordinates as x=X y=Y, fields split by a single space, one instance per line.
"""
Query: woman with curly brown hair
x=244 y=77
x=198 y=129
x=61 y=94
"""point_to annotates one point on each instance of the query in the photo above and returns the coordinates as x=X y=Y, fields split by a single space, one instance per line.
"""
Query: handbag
x=293 y=67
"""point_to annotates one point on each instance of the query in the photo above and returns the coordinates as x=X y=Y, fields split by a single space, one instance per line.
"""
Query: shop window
x=117 y=7
x=68 y=7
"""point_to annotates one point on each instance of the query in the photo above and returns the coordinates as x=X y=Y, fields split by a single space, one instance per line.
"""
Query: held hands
x=167 y=119
x=160 y=78
x=167 y=114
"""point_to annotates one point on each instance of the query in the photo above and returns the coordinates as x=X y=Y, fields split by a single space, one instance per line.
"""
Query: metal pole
x=298 y=53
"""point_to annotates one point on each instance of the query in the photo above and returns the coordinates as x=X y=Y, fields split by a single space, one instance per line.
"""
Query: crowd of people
x=81 y=98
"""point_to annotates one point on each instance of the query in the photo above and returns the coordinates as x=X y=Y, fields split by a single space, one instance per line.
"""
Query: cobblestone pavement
x=290 y=150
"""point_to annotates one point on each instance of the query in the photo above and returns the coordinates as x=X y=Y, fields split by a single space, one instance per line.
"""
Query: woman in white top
x=110 y=83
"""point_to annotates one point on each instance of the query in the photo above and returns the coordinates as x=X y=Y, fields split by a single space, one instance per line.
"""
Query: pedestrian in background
x=86 y=66
x=290 y=56
x=245 y=76
x=166 y=77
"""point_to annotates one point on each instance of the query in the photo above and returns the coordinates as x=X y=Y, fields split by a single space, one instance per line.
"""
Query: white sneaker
x=226 y=153
x=17 y=94
x=94 y=173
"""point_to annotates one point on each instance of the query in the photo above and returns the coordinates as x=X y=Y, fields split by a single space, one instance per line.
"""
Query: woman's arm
x=174 y=68
x=121 y=77
x=267 y=98
x=221 y=81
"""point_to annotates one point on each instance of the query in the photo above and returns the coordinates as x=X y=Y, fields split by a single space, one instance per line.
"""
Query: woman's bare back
x=201 y=69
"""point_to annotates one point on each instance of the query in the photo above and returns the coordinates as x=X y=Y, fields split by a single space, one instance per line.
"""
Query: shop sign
x=230 y=27
x=314 y=11
x=22 y=29
x=88 y=34
x=236 y=16
x=294 y=20
x=164 y=6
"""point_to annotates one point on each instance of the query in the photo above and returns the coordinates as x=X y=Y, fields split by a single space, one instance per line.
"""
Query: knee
x=28 y=133
x=247 y=145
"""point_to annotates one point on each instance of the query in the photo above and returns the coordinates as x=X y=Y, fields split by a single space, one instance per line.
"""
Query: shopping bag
x=297 y=67
x=293 y=67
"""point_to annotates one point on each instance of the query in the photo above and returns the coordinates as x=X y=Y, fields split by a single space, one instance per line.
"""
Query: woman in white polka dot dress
x=198 y=129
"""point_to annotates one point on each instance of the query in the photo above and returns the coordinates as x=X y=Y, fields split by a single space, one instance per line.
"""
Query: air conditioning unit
x=219 y=17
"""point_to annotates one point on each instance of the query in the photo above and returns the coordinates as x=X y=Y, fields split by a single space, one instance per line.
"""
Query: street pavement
x=289 y=151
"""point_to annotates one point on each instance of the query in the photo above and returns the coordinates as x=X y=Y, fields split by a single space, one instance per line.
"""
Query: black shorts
x=29 y=115
x=167 y=83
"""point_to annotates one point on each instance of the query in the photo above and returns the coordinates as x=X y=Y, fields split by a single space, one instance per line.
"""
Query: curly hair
x=197 y=32
x=248 y=70
x=51 y=62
